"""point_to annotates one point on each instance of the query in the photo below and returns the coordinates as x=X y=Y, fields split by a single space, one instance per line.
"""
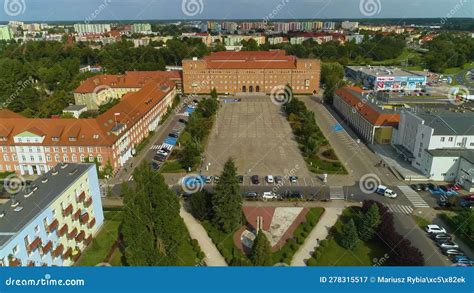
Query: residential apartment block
x=250 y=72
x=53 y=220
x=34 y=145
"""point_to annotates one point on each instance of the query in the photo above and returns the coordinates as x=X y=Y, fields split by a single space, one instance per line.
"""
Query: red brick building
x=250 y=72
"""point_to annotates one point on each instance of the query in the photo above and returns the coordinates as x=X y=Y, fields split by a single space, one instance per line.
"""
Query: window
x=56 y=149
x=450 y=139
x=16 y=248
x=37 y=229
x=66 y=158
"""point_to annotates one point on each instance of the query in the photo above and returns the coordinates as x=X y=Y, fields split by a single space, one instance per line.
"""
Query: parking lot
x=257 y=136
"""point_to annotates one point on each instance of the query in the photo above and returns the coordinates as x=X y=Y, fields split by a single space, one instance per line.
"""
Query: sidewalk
x=213 y=256
x=328 y=219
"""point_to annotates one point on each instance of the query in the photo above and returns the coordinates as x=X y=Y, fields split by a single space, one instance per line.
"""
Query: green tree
x=369 y=223
x=261 y=251
x=349 y=237
x=189 y=155
x=227 y=200
x=152 y=228
x=200 y=205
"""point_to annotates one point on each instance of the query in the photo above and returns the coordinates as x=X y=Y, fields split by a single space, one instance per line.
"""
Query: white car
x=270 y=179
x=435 y=229
x=269 y=195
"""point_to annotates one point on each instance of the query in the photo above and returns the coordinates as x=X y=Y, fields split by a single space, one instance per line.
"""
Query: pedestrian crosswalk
x=162 y=146
x=336 y=193
x=413 y=197
x=399 y=209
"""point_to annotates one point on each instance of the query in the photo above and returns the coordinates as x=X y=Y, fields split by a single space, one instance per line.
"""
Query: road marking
x=336 y=193
x=399 y=209
x=413 y=197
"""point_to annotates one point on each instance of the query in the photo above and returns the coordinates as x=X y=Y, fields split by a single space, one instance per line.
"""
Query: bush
x=323 y=243
x=311 y=262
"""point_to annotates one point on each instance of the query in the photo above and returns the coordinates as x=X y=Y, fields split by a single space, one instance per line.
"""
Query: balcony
x=34 y=245
x=47 y=247
x=88 y=202
x=76 y=254
x=88 y=240
x=76 y=215
x=72 y=234
x=84 y=218
x=58 y=250
x=81 y=197
x=53 y=226
x=68 y=210
x=14 y=262
x=31 y=263
x=80 y=236
x=67 y=253
x=91 y=223
x=63 y=230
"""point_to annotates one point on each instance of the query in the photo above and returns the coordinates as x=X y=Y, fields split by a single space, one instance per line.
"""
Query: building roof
x=276 y=59
x=449 y=123
x=14 y=222
x=383 y=71
x=131 y=79
x=74 y=108
x=372 y=113
x=467 y=154
x=100 y=131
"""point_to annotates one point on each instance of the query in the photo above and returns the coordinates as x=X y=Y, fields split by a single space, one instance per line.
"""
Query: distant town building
x=91 y=68
x=5 y=33
x=85 y=28
x=349 y=25
x=141 y=28
x=53 y=220
x=250 y=72
x=437 y=144
x=75 y=110
x=373 y=123
x=381 y=78
x=329 y=25
x=355 y=38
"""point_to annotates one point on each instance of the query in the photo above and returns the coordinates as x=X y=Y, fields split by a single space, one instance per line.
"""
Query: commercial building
x=250 y=72
x=34 y=146
x=382 y=78
x=373 y=123
x=53 y=220
x=440 y=144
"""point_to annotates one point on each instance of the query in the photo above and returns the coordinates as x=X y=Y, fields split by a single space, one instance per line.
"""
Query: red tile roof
x=276 y=59
x=375 y=115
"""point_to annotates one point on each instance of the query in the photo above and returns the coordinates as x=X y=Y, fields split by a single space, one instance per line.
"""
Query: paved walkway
x=327 y=220
x=197 y=231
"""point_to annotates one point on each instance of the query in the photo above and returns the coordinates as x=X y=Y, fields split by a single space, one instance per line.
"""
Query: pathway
x=197 y=231
x=328 y=219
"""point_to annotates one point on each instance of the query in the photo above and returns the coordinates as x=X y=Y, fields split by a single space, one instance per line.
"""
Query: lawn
x=332 y=254
x=318 y=166
x=421 y=222
x=172 y=166
x=100 y=246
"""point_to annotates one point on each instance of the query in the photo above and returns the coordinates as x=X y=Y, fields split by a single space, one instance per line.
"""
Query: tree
x=261 y=251
x=349 y=236
x=200 y=205
x=227 y=200
x=332 y=75
x=152 y=228
x=369 y=223
x=189 y=155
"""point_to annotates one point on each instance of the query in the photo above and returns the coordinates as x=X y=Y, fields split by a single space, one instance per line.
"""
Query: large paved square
x=257 y=135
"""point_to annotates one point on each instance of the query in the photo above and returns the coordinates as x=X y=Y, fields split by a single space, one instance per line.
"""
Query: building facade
x=250 y=72
x=373 y=123
x=54 y=220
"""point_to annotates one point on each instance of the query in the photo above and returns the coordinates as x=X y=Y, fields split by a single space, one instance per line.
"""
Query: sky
x=77 y=10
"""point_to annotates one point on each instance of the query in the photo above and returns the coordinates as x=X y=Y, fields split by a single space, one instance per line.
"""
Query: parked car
x=183 y=121
x=385 y=191
x=293 y=179
x=435 y=229
x=159 y=158
x=270 y=179
x=251 y=195
x=269 y=195
x=174 y=135
x=469 y=197
x=217 y=179
x=448 y=245
x=423 y=186
x=155 y=166
x=432 y=186
x=444 y=204
x=454 y=187
x=208 y=179
x=295 y=194
x=255 y=179
x=163 y=152
x=465 y=263
x=278 y=179
x=240 y=178
x=416 y=187
x=459 y=257
x=452 y=252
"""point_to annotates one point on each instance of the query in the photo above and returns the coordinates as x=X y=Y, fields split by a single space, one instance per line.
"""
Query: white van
x=269 y=195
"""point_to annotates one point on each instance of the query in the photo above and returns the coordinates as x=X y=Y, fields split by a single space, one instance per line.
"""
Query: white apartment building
x=86 y=28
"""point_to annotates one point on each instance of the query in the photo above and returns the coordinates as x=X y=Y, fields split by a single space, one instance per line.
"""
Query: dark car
x=240 y=178
x=159 y=158
x=155 y=166
x=432 y=186
x=441 y=236
x=445 y=204
x=423 y=186
x=444 y=188
x=184 y=121
x=251 y=195
x=174 y=135
x=278 y=179
x=293 y=179
x=255 y=179
x=294 y=194
x=416 y=187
